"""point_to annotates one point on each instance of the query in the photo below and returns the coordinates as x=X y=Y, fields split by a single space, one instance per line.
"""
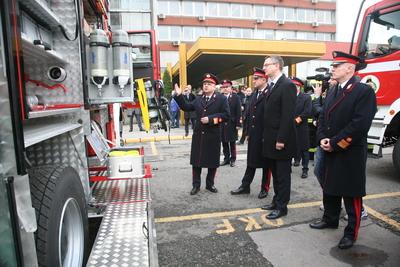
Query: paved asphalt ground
x=224 y=230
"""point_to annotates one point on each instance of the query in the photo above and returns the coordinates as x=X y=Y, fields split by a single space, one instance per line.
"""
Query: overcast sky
x=346 y=14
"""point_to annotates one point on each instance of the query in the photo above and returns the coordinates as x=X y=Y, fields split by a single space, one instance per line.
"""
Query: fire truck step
x=121 y=191
x=122 y=239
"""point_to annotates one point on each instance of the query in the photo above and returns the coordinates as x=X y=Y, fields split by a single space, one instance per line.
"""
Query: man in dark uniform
x=189 y=115
x=302 y=113
x=279 y=136
x=211 y=110
x=342 y=133
x=229 y=129
x=255 y=158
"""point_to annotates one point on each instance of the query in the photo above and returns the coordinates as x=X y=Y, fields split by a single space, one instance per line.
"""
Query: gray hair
x=277 y=59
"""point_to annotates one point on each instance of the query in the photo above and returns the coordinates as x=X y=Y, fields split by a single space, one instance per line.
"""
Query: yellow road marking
x=256 y=210
x=156 y=139
x=153 y=148
x=382 y=217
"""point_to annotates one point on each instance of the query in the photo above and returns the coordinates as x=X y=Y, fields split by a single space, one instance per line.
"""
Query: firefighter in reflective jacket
x=211 y=110
x=342 y=133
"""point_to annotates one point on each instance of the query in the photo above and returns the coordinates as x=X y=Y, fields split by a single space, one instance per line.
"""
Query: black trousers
x=281 y=170
x=196 y=172
x=304 y=156
x=229 y=150
x=192 y=120
x=249 y=176
x=353 y=205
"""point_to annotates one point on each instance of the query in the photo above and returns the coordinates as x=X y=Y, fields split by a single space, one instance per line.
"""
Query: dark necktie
x=340 y=90
x=271 y=85
x=207 y=98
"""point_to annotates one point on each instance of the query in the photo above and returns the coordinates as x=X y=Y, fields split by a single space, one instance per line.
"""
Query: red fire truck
x=379 y=44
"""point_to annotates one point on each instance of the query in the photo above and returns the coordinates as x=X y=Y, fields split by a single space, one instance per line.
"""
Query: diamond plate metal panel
x=66 y=149
x=121 y=191
x=70 y=50
x=121 y=239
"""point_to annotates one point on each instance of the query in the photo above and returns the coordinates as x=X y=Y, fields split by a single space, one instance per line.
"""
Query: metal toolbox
x=126 y=162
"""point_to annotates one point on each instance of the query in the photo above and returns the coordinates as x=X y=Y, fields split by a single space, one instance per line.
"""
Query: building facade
x=177 y=21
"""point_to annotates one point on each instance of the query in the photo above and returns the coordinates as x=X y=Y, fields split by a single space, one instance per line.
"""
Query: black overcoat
x=206 y=139
x=189 y=114
x=302 y=113
x=279 y=123
x=229 y=132
x=345 y=119
x=254 y=124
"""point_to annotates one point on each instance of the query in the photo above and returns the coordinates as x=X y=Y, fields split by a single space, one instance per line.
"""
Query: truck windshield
x=141 y=43
x=383 y=37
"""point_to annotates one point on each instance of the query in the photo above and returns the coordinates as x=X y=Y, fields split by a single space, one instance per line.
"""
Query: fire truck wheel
x=62 y=224
x=396 y=156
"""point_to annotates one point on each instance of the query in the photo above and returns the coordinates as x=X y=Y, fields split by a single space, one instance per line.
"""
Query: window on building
x=310 y=15
x=224 y=10
x=162 y=7
x=259 y=11
x=246 y=11
x=130 y=5
x=269 y=13
x=289 y=14
x=322 y=36
x=236 y=10
x=323 y=16
x=163 y=33
x=280 y=13
x=199 y=8
x=213 y=31
x=212 y=9
x=225 y=32
x=174 y=8
x=124 y=21
x=236 y=33
x=285 y=35
x=310 y=35
x=175 y=33
x=199 y=32
x=269 y=35
x=187 y=8
x=188 y=33
x=301 y=15
x=247 y=33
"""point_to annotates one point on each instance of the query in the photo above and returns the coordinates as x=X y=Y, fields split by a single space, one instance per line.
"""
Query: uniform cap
x=297 y=81
x=259 y=72
x=341 y=57
x=226 y=83
x=209 y=77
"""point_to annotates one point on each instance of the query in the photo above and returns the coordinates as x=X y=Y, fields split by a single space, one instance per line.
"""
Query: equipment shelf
x=51 y=112
x=37 y=53
x=39 y=132
x=41 y=11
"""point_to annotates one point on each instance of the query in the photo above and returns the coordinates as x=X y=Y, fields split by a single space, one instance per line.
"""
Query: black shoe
x=142 y=130
x=232 y=164
x=262 y=194
x=212 y=189
x=195 y=190
x=275 y=214
x=304 y=174
x=296 y=163
x=321 y=224
x=241 y=190
x=271 y=206
x=346 y=242
x=225 y=162
x=186 y=134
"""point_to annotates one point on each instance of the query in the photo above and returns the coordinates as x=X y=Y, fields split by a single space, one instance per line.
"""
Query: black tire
x=396 y=156
x=57 y=192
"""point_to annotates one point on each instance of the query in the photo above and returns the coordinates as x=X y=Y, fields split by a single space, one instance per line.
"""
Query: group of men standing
x=273 y=117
